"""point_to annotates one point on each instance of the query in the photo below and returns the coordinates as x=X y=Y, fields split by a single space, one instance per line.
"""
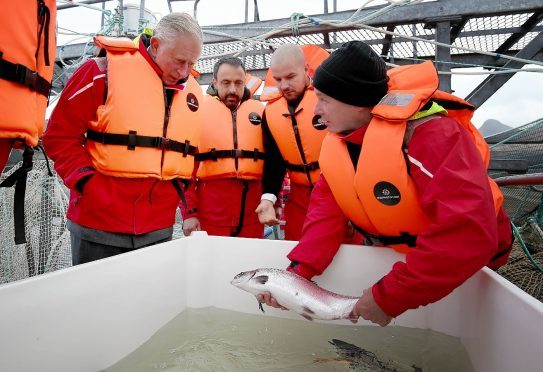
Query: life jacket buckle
x=164 y=143
x=186 y=149
x=26 y=76
x=213 y=153
x=132 y=139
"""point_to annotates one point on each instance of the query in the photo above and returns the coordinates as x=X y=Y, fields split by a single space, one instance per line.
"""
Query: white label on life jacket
x=396 y=99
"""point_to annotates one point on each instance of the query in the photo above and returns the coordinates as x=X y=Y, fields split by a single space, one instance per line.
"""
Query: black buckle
x=25 y=76
x=186 y=149
x=237 y=153
x=372 y=240
x=132 y=137
x=31 y=79
x=165 y=143
x=255 y=154
x=213 y=154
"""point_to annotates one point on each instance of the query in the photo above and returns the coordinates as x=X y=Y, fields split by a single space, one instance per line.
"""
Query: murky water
x=212 y=339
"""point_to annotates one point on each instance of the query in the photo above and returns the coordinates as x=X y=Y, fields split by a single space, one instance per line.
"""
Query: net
x=520 y=151
x=48 y=241
x=522 y=148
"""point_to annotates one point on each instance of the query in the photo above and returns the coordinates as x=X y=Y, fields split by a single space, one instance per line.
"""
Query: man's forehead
x=228 y=71
x=184 y=47
x=284 y=68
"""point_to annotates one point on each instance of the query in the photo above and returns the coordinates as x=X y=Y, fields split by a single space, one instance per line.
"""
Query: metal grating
x=493 y=23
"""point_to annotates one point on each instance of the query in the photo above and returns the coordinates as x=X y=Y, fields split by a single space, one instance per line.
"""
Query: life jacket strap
x=302 y=167
x=18 y=179
x=385 y=240
x=133 y=140
x=20 y=74
x=180 y=186
x=44 y=21
x=215 y=154
x=403 y=238
x=244 y=191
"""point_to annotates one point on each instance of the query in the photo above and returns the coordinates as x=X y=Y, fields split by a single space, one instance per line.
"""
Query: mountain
x=493 y=126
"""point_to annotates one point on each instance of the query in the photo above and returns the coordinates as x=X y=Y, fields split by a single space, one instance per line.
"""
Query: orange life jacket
x=299 y=137
x=252 y=83
x=134 y=136
x=231 y=142
x=380 y=197
x=27 y=57
x=313 y=54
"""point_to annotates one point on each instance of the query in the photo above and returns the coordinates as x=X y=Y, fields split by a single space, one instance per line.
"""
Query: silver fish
x=296 y=293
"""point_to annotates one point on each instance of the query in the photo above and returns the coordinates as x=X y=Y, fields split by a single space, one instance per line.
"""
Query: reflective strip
x=269 y=91
x=251 y=83
x=421 y=167
x=89 y=85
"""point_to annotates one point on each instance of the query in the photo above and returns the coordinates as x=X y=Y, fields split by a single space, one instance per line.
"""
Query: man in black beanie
x=401 y=163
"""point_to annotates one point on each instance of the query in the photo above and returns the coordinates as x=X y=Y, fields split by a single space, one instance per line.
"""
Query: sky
x=518 y=102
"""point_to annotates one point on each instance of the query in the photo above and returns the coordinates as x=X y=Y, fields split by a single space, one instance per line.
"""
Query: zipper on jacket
x=299 y=143
x=235 y=137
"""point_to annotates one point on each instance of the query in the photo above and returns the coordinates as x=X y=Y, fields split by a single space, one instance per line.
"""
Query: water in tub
x=212 y=339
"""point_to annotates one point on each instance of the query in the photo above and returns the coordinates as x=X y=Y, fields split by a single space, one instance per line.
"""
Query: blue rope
x=295 y=23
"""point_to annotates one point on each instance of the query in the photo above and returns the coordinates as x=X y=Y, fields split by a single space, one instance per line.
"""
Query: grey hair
x=173 y=24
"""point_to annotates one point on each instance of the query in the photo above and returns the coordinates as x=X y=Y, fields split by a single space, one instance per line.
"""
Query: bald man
x=292 y=140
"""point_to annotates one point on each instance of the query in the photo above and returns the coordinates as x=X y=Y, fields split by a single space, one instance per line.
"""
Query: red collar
x=145 y=53
x=357 y=136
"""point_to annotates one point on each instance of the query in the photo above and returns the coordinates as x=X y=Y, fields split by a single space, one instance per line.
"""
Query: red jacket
x=115 y=204
x=464 y=236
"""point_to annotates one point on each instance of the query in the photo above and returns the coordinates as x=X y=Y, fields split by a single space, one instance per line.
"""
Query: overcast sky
x=518 y=102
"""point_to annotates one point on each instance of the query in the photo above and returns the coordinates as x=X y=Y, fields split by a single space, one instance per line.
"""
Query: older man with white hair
x=123 y=137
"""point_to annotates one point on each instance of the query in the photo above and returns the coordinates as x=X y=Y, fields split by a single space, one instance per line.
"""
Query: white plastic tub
x=89 y=317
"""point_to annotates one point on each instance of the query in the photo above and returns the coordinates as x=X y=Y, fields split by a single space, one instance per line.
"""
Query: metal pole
x=257 y=15
x=246 y=11
x=141 y=21
x=103 y=15
x=87 y=2
x=196 y=9
x=414 y=44
x=443 y=35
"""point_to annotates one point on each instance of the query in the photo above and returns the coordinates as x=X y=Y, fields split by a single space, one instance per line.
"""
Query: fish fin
x=307 y=310
x=307 y=317
x=261 y=307
x=261 y=279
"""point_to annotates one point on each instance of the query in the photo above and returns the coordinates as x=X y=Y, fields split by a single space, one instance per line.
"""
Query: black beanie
x=353 y=74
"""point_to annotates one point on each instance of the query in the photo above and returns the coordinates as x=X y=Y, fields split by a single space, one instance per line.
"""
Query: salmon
x=296 y=294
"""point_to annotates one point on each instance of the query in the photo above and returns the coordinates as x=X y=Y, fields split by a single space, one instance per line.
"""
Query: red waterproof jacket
x=463 y=237
x=115 y=204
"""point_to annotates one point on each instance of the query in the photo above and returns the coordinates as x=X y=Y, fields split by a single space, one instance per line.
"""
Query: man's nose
x=317 y=109
x=232 y=88
x=183 y=71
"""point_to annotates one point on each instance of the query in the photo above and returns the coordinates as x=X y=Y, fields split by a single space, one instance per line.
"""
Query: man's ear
x=154 y=45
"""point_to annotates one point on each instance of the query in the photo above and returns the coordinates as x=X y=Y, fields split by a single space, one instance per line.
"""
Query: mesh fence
x=523 y=145
x=48 y=241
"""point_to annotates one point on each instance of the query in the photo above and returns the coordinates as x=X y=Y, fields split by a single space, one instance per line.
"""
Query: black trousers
x=84 y=251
